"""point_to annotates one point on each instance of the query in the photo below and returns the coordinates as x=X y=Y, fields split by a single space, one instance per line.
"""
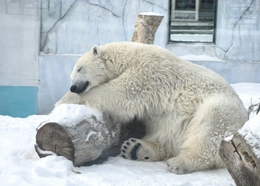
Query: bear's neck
x=121 y=57
x=117 y=66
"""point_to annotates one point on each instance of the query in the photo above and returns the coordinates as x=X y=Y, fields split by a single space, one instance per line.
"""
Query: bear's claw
x=130 y=150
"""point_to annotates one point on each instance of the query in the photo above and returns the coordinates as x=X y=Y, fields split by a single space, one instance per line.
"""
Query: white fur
x=187 y=108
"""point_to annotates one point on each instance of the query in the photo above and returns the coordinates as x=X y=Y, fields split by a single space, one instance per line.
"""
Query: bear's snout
x=79 y=88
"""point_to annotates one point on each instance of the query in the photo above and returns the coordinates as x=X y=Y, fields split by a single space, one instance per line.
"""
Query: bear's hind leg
x=141 y=150
x=199 y=152
x=199 y=148
x=186 y=162
x=214 y=120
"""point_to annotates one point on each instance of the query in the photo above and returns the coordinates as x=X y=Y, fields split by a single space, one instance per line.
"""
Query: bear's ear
x=96 y=50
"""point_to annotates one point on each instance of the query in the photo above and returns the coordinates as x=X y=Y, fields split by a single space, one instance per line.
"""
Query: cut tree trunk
x=80 y=142
x=87 y=142
x=241 y=161
x=146 y=27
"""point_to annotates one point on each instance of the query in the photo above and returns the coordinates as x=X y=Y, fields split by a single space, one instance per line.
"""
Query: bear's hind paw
x=178 y=165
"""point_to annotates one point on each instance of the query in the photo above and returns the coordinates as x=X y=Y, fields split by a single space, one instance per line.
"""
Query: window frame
x=170 y=20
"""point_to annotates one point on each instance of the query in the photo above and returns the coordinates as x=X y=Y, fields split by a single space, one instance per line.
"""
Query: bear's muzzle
x=79 y=88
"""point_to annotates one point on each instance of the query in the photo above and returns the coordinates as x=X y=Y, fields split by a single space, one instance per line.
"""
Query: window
x=192 y=21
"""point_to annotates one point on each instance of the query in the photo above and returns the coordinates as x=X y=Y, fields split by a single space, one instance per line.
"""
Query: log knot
x=249 y=159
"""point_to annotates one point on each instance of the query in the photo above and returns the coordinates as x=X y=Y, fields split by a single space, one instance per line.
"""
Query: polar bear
x=187 y=109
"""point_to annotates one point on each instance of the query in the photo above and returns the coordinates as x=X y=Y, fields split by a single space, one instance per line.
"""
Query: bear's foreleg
x=107 y=98
x=69 y=98
x=141 y=150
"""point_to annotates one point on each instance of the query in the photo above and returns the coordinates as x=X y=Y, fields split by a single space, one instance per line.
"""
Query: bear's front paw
x=133 y=149
x=142 y=150
x=178 y=166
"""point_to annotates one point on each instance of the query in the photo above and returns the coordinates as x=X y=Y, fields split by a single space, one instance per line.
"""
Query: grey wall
x=73 y=27
x=19 y=49
x=235 y=54
x=237 y=34
x=238 y=30
x=41 y=40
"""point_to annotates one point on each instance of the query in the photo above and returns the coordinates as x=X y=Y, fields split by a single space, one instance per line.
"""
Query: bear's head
x=89 y=71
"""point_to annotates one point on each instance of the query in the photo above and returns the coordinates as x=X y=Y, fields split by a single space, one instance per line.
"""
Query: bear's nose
x=73 y=88
x=79 y=88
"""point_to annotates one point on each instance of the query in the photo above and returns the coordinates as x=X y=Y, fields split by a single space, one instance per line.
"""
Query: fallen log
x=241 y=154
x=78 y=133
x=83 y=135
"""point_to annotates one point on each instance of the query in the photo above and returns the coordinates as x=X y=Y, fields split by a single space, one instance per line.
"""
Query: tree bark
x=146 y=27
x=87 y=142
x=81 y=142
x=242 y=163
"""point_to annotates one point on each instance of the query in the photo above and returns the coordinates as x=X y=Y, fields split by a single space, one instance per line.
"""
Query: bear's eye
x=79 y=69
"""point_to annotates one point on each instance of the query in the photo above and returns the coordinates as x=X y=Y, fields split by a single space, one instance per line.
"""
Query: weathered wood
x=258 y=108
x=53 y=137
x=253 y=108
x=80 y=142
x=87 y=142
x=241 y=161
x=146 y=27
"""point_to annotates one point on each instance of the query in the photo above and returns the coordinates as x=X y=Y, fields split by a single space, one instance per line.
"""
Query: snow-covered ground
x=20 y=164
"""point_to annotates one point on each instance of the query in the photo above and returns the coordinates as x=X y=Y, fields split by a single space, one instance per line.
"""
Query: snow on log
x=241 y=154
x=146 y=26
x=78 y=133
x=83 y=135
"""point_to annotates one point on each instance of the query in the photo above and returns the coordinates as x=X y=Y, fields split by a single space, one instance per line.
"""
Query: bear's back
x=145 y=56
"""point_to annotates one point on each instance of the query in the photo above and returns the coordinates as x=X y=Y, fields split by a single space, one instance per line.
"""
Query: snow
x=251 y=133
x=229 y=138
x=71 y=114
x=192 y=57
x=20 y=164
x=248 y=92
x=90 y=134
x=150 y=14
x=192 y=37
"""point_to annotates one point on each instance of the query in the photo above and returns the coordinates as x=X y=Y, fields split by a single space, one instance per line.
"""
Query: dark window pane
x=207 y=4
x=185 y=5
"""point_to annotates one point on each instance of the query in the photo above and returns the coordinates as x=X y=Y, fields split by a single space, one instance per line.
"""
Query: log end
x=53 y=138
x=240 y=160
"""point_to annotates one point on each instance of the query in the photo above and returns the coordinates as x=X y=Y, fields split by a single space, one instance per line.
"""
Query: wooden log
x=146 y=27
x=52 y=137
x=84 y=138
x=241 y=161
x=80 y=142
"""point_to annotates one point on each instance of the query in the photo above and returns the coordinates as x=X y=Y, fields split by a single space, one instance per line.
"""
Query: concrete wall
x=54 y=75
x=42 y=39
x=19 y=46
x=73 y=27
x=235 y=54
